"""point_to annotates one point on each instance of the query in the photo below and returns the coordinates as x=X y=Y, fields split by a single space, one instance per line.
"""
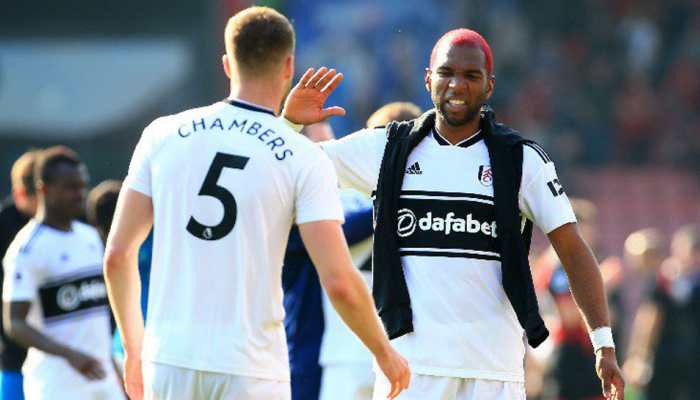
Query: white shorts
x=111 y=390
x=347 y=382
x=424 y=387
x=168 y=382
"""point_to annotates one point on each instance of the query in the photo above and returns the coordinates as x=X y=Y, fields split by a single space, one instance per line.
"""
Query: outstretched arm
x=587 y=287
x=350 y=297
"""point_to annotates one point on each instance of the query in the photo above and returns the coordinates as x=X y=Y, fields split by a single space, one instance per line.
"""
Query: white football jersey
x=227 y=182
x=464 y=325
x=60 y=274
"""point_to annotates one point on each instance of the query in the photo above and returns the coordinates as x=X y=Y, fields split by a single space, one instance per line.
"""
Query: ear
x=227 y=66
x=490 y=83
x=289 y=67
x=427 y=79
x=19 y=194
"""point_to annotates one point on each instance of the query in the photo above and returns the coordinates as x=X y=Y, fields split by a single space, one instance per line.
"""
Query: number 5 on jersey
x=211 y=188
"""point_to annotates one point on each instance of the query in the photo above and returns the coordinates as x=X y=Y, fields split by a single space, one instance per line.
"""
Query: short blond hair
x=22 y=172
x=258 y=39
x=396 y=111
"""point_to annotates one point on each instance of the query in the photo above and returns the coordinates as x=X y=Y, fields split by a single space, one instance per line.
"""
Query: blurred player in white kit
x=55 y=301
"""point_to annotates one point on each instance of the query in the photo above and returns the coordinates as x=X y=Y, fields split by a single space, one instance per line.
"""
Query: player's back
x=227 y=181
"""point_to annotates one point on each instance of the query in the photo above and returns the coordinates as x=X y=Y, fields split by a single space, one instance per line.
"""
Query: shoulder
x=397 y=129
x=86 y=230
x=536 y=161
x=173 y=124
x=506 y=135
x=534 y=153
x=28 y=241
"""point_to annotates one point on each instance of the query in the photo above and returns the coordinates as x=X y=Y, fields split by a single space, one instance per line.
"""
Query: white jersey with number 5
x=227 y=182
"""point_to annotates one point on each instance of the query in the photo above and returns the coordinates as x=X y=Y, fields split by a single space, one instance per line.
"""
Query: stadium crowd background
x=610 y=88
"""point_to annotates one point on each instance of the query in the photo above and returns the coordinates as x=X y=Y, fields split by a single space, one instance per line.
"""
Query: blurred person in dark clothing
x=641 y=261
x=15 y=212
x=664 y=353
x=569 y=375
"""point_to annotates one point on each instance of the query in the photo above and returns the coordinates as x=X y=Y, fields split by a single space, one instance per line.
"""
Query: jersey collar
x=464 y=143
x=249 y=106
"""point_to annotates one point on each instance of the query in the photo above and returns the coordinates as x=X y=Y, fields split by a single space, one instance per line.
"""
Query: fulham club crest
x=485 y=175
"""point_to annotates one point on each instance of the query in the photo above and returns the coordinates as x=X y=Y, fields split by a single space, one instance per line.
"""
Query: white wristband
x=297 y=127
x=602 y=337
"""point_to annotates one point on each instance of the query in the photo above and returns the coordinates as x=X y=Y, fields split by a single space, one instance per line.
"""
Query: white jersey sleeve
x=21 y=280
x=542 y=198
x=139 y=175
x=357 y=158
x=317 y=196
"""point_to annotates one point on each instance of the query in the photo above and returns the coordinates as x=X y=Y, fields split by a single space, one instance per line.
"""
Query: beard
x=472 y=112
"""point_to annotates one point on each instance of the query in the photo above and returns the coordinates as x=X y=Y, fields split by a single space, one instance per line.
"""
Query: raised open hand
x=304 y=104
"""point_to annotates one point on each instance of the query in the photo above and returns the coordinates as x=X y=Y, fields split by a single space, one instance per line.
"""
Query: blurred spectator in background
x=346 y=363
x=54 y=296
x=641 y=261
x=664 y=351
x=568 y=372
x=15 y=212
x=101 y=202
x=396 y=111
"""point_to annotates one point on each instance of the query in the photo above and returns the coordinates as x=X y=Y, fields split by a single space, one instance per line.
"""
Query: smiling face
x=459 y=83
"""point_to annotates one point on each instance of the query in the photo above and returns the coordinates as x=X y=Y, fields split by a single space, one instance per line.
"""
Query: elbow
x=339 y=290
x=114 y=258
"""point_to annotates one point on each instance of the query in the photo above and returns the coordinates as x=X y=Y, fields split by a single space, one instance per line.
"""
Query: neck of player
x=53 y=218
x=456 y=134
x=258 y=92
